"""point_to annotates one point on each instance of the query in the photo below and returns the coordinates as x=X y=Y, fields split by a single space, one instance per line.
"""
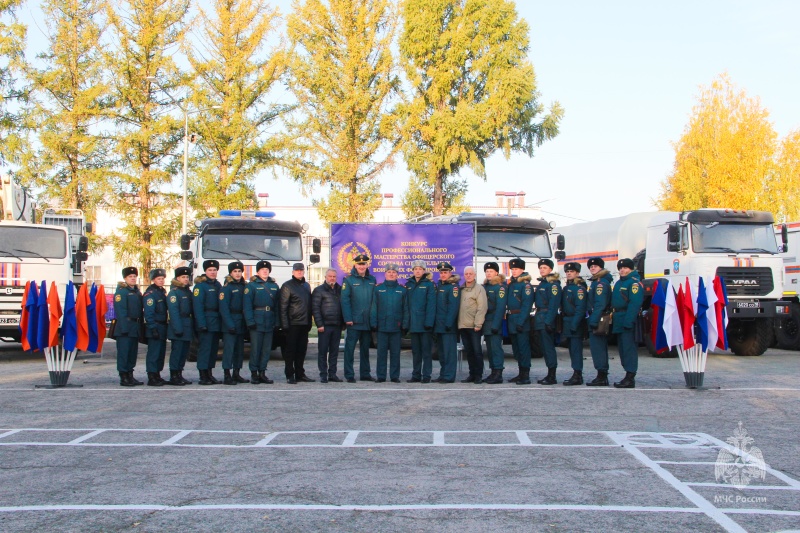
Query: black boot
x=153 y=379
x=211 y=377
x=228 y=379
x=524 y=376
x=183 y=379
x=254 y=378
x=262 y=377
x=204 y=378
x=124 y=380
x=628 y=382
x=468 y=379
x=495 y=378
x=237 y=376
x=516 y=378
x=478 y=379
x=133 y=379
x=549 y=379
x=576 y=379
x=175 y=378
x=600 y=381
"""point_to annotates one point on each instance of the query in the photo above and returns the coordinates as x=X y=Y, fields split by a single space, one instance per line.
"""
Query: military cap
x=572 y=266
x=516 y=263
x=419 y=263
x=547 y=262
x=208 y=263
x=158 y=273
x=263 y=264
x=298 y=266
x=183 y=271
x=361 y=259
x=625 y=263
x=127 y=271
x=444 y=265
x=491 y=265
x=392 y=266
x=596 y=261
x=235 y=265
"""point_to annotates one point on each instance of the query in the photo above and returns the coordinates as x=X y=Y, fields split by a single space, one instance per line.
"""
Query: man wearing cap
x=598 y=302
x=128 y=312
x=207 y=324
x=518 y=312
x=471 y=316
x=388 y=316
x=358 y=289
x=295 y=313
x=573 y=308
x=421 y=315
x=261 y=301
x=326 y=306
x=548 y=301
x=231 y=309
x=179 y=330
x=446 y=322
x=495 y=287
x=155 y=320
x=626 y=300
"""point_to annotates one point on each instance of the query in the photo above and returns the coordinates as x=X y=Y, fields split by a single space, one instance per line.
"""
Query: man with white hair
x=471 y=315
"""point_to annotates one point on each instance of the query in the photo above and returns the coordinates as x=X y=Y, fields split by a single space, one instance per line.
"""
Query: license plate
x=748 y=305
x=10 y=320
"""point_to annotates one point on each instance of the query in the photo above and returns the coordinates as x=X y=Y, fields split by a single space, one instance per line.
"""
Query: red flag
x=687 y=319
x=23 y=320
x=719 y=308
x=55 y=314
x=101 y=306
x=83 y=323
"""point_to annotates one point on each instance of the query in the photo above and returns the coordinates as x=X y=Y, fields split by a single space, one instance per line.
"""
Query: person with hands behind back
x=548 y=301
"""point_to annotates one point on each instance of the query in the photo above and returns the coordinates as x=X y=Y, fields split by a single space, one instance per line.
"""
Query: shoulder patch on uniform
x=501 y=293
x=247 y=290
x=580 y=295
x=150 y=302
x=222 y=296
x=528 y=290
x=118 y=298
x=455 y=292
x=554 y=290
x=599 y=290
x=173 y=299
x=635 y=288
x=197 y=292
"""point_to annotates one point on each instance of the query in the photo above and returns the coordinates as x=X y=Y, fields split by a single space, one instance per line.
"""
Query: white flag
x=711 y=315
x=672 y=322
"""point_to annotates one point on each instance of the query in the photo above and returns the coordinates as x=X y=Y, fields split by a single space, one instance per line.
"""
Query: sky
x=627 y=75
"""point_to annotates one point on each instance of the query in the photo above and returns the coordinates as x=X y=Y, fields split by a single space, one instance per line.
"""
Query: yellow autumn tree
x=730 y=156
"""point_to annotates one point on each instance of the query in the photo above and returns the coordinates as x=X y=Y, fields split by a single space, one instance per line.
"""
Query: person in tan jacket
x=471 y=313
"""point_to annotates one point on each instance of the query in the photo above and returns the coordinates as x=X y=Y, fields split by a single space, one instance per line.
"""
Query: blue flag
x=33 y=316
x=660 y=300
x=701 y=324
x=91 y=319
x=69 y=325
x=43 y=320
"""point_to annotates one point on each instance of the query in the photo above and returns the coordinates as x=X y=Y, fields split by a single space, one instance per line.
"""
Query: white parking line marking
x=438 y=438
x=86 y=437
x=7 y=433
x=350 y=440
x=175 y=438
x=524 y=439
x=746 y=487
x=266 y=440
x=677 y=388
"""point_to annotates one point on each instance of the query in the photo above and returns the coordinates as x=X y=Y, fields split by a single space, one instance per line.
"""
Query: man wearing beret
x=128 y=312
x=420 y=316
x=231 y=309
x=626 y=300
x=495 y=286
x=388 y=316
x=446 y=322
x=326 y=306
x=518 y=311
x=598 y=302
x=155 y=320
x=548 y=301
x=207 y=323
x=180 y=327
x=573 y=308
x=358 y=289
x=295 y=313
x=261 y=301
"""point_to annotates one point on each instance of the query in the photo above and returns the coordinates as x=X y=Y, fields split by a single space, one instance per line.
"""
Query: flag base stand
x=694 y=379
x=58 y=380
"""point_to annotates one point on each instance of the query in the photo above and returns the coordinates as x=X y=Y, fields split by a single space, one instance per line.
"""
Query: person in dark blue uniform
x=496 y=297
x=231 y=309
x=358 y=289
x=389 y=318
x=421 y=314
x=326 y=306
x=261 y=301
x=180 y=327
x=599 y=300
x=155 y=320
x=626 y=300
x=548 y=301
x=573 y=308
x=518 y=313
x=446 y=322
x=128 y=312
x=207 y=323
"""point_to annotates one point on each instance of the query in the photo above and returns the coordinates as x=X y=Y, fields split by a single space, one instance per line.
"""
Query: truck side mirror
x=785 y=237
x=81 y=256
x=88 y=228
x=316 y=246
x=313 y=259
x=673 y=237
x=83 y=244
x=186 y=255
x=560 y=255
x=186 y=241
x=560 y=242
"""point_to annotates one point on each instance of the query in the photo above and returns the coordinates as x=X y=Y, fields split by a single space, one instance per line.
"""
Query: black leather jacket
x=326 y=305
x=295 y=305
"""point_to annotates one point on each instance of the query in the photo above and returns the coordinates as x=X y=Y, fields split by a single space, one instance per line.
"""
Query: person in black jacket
x=295 y=309
x=326 y=306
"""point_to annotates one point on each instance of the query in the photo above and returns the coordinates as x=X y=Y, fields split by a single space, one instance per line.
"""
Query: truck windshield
x=25 y=243
x=734 y=238
x=243 y=246
x=513 y=244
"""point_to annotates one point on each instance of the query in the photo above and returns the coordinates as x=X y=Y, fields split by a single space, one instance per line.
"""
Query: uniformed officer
x=128 y=312
x=207 y=323
x=518 y=312
x=180 y=327
x=548 y=301
x=231 y=307
x=261 y=300
x=495 y=286
x=421 y=315
x=573 y=308
x=598 y=302
x=155 y=320
x=389 y=318
x=358 y=289
x=626 y=300
x=445 y=325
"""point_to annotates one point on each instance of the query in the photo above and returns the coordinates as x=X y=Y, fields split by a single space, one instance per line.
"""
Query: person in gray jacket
x=471 y=314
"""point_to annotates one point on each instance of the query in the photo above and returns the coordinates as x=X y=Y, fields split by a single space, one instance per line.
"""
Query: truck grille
x=747 y=281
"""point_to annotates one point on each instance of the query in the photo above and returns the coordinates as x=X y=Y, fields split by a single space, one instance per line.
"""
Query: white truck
x=787 y=327
x=54 y=251
x=739 y=246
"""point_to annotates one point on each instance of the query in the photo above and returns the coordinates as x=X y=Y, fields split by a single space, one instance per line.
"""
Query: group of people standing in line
x=424 y=310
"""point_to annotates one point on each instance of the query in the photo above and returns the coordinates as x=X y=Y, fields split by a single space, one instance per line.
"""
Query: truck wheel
x=787 y=330
x=749 y=337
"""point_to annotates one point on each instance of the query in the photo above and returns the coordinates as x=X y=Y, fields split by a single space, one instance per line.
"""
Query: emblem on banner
x=350 y=250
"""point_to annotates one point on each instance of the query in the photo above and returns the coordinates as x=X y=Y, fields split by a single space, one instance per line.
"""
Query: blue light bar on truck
x=249 y=214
